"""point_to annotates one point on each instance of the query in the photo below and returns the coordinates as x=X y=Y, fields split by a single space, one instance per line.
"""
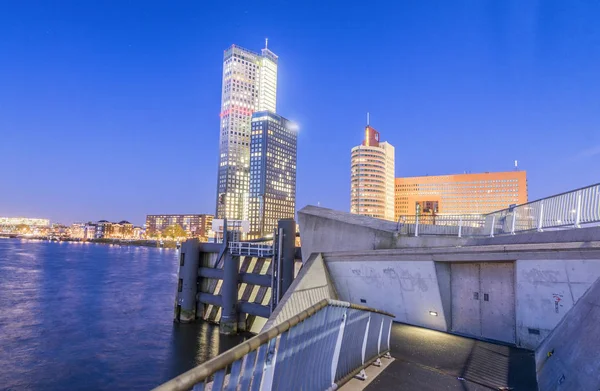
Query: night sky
x=110 y=109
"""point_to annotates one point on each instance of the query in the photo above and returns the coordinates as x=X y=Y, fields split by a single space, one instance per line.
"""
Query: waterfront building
x=23 y=221
x=273 y=145
x=249 y=85
x=372 y=177
x=460 y=193
x=103 y=229
x=138 y=233
x=195 y=225
x=77 y=231
x=89 y=231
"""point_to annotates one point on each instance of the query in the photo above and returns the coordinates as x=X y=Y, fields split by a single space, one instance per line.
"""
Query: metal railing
x=572 y=209
x=320 y=348
x=251 y=249
x=452 y=225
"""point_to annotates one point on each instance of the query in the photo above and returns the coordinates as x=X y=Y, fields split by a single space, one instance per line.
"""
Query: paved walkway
x=428 y=360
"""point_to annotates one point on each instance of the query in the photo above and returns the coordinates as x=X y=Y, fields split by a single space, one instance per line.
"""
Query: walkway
x=428 y=360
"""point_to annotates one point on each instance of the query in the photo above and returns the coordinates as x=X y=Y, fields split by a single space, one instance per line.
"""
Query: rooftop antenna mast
x=266 y=43
x=368 y=119
x=516 y=165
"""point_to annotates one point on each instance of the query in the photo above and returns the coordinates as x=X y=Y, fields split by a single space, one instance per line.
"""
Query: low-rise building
x=460 y=194
x=77 y=231
x=195 y=225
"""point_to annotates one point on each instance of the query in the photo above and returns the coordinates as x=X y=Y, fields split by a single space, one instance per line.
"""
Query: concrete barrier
x=312 y=285
x=568 y=358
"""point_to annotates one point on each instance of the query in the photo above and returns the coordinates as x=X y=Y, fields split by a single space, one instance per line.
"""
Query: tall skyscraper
x=249 y=85
x=272 y=172
x=460 y=194
x=372 y=177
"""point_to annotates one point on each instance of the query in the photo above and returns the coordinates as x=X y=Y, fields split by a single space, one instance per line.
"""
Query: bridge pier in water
x=245 y=280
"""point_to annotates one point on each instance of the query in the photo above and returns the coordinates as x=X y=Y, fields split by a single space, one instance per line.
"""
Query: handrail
x=572 y=209
x=542 y=199
x=189 y=379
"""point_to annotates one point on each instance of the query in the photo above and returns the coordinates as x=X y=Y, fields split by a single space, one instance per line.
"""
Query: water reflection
x=94 y=317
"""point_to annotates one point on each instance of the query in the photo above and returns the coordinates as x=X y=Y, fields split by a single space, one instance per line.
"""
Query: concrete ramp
x=568 y=359
x=312 y=285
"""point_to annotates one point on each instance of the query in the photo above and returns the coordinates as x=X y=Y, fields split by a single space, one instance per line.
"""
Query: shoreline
x=120 y=242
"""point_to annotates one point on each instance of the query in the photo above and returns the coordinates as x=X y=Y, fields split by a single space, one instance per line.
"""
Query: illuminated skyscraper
x=372 y=177
x=249 y=85
x=272 y=172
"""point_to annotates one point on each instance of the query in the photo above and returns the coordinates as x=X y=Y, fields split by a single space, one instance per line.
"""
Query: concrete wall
x=568 y=358
x=545 y=291
x=407 y=289
x=589 y=234
x=370 y=263
x=312 y=285
x=325 y=230
x=404 y=284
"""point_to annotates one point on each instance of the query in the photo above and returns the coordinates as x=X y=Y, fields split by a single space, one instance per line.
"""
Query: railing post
x=541 y=217
x=338 y=347
x=460 y=227
x=493 y=224
x=269 y=366
x=362 y=375
x=512 y=225
x=417 y=226
x=578 y=212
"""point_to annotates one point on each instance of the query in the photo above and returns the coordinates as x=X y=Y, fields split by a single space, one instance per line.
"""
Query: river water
x=76 y=316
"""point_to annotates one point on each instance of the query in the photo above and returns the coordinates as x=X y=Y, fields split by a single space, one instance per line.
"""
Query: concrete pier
x=229 y=294
x=187 y=286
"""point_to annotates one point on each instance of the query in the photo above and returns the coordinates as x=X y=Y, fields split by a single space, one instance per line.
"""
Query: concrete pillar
x=187 y=286
x=288 y=253
x=229 y=293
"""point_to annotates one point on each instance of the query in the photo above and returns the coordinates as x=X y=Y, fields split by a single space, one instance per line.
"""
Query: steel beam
x=254 y=309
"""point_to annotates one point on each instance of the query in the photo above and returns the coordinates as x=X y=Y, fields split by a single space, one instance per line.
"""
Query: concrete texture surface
x=372 y=372
x=588 y=234
x=568 y=358
x=544 y=289
x=323 y=229
x=427 y=360
x=311 y=285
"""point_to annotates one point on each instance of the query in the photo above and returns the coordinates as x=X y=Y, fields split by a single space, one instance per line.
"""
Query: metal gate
x=483 y=300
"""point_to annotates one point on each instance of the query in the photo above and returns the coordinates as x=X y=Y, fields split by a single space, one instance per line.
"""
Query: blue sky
x=110 y=109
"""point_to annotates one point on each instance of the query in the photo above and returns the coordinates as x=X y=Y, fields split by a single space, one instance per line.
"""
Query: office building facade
x=195 y=225
x=249 y=85
x=273 y=148
x=372 y=177
x=460 y=194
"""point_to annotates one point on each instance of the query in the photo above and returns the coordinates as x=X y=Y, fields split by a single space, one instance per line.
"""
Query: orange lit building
x=459 y=194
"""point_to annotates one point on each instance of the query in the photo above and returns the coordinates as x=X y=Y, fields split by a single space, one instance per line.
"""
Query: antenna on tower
x=266 y=43
x=516 y=165
x=368 y=119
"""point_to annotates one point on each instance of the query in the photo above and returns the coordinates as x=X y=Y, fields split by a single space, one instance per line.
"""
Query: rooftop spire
x=266 y=43
x=368 y=119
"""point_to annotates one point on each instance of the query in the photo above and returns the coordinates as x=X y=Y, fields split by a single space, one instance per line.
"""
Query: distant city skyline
x=114 y=115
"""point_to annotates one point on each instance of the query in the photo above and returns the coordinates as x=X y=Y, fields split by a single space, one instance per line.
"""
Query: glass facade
x=272 y=188
x=249 y=85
